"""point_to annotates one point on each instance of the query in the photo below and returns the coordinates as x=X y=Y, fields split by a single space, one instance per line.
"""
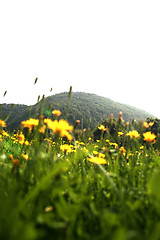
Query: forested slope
x=85 y=107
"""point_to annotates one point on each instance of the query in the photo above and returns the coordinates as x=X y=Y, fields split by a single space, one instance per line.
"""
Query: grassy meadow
x=59 y=181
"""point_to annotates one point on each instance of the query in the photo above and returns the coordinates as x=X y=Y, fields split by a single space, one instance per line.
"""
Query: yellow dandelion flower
x=2 y=123
x=25 y=156
x=95 y=146
x=31 y=123
x=141 y=147
x=63 y=125
x=5 y=134
x=113 y=144
x=60 y=127
x=20 y=138
x=95 y=153
x=101 y=155
x=26 y=143
x=66 y=148
x=102 y=128
x=67 y=135
x=42 y=129
x=145 y=124
x=149 y=137
x=133 y=134
x=56 y=112
x=49 y=122
x=11 y=156
x=151 y=124
x=120 y=134
x=85 y=150
x=13 y=138
x=97 y=160
x=122 y=150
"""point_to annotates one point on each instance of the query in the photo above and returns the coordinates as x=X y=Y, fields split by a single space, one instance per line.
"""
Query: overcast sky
x=110 y=48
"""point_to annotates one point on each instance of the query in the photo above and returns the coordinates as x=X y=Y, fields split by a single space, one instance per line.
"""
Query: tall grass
x=55 y=187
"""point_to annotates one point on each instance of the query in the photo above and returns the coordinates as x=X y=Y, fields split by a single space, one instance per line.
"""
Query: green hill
x=82 y=106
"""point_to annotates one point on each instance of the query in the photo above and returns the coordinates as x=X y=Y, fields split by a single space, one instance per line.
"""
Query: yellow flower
x=30 y=123
x=95 y=153
x=11 y=156
x=49 y=122
x=141 y=147
x=151 y=124
x=122 y=150
x=120 y=134
x=102 y=128
x=42 y=129
x=26 y=143
x=20 y=138
x=113 y=144
x=56 y=112
x=133 y=134
x=66 y=148
x=145 y=124
x=2 y=123
x=149 y=137
x=130 y=154
x=95 y=146
x=85 y=150
x=97 y=160
x=5 y=134
x=25 y=156
x=101 y=155
x=62 y=128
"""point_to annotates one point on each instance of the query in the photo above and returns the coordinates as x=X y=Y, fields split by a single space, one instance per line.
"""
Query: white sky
x=111 y=48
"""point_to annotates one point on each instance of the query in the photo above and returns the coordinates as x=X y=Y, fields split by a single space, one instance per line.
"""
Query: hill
x=85 y=107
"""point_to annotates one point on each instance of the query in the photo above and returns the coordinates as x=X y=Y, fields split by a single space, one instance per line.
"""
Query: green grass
x=56 y=194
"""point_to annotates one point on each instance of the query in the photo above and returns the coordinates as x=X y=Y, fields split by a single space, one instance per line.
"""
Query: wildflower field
x=59 y=181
